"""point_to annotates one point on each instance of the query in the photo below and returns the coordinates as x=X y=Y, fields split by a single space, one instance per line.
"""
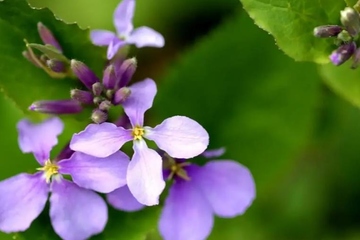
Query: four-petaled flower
x=76 y=212
x=221 y=187
x=126 y=34
x=178 y=136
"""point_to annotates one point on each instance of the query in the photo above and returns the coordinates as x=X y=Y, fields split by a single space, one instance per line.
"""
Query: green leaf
x=343 y=80
x=291 y=22
x=19 y=79
x=257 y=103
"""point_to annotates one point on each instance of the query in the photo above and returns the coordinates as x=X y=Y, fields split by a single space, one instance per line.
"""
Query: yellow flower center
x=138 y=132
x=50 y=169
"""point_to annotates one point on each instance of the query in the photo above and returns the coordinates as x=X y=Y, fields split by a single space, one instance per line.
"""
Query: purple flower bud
x=56 y=107
x=356 y=59
x=123 y=121
x=56 y=65
x=99 y=116
x=327 y=31
x=83 y=72
x=125 y=72
x=121 y=95
x=47 y=37
x=97 y=100
x=97 y=88
x=110 y=93
x=109 y=78
x=105 y=105
x=30 y=58
x=83 y=97
x=351 y=20
x=65 y=153
x=343 y=53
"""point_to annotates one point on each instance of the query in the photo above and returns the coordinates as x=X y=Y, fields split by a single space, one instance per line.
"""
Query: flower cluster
x=345 y=37
x=92 y=161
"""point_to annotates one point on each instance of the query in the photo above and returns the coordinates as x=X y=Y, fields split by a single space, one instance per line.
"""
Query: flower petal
x=223 y=178
x=22 y=199
x=99 y=174
x=39 y=138
x=100 y=140
x=122 y=199
x=146 y=37
x=76 y=213
x=102 y=37
x=123 y=16
x=186 y=213
x=214 y=153
x=179 y=136
x=141 y=99
x=144 y=175
x=114 y=47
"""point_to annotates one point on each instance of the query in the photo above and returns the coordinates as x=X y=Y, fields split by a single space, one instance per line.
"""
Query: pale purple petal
x=144 y=175
x=22 y=199
x=141 y=99
x=186 y=213
x=228 y=186
x=114 y=47
x=100 y=140
x=123 y=200
x=146 y=37
x=102 y=37
x=39 y=138
x=99 y=174
x=179 y=136
x=123 y=16
x=76 y=213
x=214 y=153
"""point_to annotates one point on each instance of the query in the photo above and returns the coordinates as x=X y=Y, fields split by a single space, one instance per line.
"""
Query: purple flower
x=179 y=136
x=221 y=187
x=75 y=211
x=126 y=34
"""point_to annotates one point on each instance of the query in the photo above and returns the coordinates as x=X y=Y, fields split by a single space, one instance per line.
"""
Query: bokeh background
x=274 y=115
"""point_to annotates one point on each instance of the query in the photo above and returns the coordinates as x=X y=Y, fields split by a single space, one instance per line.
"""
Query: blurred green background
x=272 y=114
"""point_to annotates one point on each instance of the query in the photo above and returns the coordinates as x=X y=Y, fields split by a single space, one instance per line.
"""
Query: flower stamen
x=50 y=169
x=138 y=132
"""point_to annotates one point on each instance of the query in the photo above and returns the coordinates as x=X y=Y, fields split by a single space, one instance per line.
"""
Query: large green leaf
x=291 y=22
x=343 y=80
x=20 y=80
x=252 y=99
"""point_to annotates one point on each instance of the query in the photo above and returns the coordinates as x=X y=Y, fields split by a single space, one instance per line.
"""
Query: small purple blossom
x=221 y=187
x=179 y=136
x=126 y=34
x=76 y=212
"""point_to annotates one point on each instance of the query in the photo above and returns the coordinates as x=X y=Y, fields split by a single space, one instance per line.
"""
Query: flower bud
x=109 y=93
x=343 y=36
x=351 y=21
x=47 y=37
x=327 y=31
x=343 y=53
x=97 y=88
x=56 y=107
x=99 y=116
x=109 y=78
x=83 y=72
x=56 y=65
x=125 y=72
x=121 y=95
x=83 y=97
x=105 y=105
